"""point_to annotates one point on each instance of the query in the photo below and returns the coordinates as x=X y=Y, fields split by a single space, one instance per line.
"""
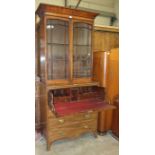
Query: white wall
x=102 y=5
x=54 y=2
x=116 y=11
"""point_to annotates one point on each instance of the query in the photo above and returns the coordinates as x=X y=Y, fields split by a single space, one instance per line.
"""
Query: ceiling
x=105 y=4
x=107 y=9
x=108 y=3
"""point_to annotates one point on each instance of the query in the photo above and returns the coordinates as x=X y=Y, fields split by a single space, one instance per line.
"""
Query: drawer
x=72 y=119
x=73 y=130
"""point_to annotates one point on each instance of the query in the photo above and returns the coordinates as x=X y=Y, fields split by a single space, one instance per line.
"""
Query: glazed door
x=57 y=38
x=82 y=52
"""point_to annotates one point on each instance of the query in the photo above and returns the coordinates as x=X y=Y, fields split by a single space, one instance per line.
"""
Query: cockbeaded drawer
x=71 y=119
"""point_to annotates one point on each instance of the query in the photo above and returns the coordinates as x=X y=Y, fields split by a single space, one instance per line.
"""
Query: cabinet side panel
x=115 y=123
x=101 y=122
x=113 y=75
x=96 y=66
x=105 y=120
x=37 y=50
x=41 y=42
x=109 y=114
x=100 y=70
x=43 y=107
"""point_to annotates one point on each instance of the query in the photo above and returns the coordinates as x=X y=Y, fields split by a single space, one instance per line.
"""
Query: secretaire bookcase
x=70 y=100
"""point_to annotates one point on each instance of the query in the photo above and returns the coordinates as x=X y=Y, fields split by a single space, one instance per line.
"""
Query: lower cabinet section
x=72 y=130
x=71 y=126
x=70 y=112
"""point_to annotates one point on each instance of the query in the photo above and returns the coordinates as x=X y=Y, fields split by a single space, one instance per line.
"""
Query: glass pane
x=82 y=50
x=57 y=48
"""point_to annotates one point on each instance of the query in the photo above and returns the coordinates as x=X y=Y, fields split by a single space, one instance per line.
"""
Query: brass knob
x=61 y=133
x=90 y=111
x=61 y=120
x=87 y=116
x=86 y=126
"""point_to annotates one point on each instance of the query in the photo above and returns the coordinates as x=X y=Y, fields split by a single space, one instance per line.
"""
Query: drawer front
x=73 y=130
x=72 y=119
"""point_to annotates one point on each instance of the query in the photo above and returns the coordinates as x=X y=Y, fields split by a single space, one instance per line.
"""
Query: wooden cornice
x=46 y=8
x=106 y=28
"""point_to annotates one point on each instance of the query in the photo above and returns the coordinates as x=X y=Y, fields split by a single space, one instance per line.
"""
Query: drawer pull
x=61 y=120
x=87 y=116
x=61 y=133
x=86 y=126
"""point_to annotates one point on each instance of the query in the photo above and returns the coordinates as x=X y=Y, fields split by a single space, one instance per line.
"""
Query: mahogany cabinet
x=106 y=71
x=70 y=99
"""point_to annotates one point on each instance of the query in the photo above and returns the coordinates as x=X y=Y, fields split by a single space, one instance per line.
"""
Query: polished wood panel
x=105 y=39
x=106 y=28
x=43 y=106
x=112 y=89
x=37 y=104
x=71 y=51
x=36 y=48
x=41 y=51
x=100 y=67
x=105 y=120
x=82 y=84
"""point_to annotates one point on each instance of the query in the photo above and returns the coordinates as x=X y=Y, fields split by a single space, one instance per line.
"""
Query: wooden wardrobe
x=106 y=70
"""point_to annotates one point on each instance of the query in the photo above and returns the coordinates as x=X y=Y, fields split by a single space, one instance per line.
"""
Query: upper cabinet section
x=65 y=45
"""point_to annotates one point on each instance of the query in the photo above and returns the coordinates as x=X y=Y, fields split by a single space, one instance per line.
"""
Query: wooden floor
x=84 y=145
